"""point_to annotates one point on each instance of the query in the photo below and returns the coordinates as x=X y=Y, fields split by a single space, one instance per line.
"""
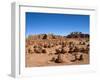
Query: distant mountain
x=52 y=36
x=41 y=36
x=77 y=35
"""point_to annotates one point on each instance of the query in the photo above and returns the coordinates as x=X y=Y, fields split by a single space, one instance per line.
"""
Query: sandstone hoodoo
x=50 y=49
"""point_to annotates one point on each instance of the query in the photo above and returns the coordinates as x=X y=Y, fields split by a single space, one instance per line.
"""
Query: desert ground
x=52 y=50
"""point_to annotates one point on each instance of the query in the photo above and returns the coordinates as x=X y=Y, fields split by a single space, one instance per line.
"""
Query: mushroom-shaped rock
x=79 y=56
x=59 y=59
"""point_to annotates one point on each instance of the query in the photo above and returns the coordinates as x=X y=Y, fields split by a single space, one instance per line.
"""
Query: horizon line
x=55 y=34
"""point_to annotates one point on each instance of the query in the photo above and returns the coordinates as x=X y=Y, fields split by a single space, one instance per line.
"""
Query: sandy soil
x=52 y=52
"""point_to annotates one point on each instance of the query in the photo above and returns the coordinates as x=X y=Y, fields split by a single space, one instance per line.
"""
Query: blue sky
x=59 y=24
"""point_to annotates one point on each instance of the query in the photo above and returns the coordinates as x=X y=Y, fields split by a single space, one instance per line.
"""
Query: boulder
x=44 y=51
x=71 y=57
x=38 y=50
x=58 y=50
x=30 y=50
x=64 y=50
x=59 y=59
x=79 y=56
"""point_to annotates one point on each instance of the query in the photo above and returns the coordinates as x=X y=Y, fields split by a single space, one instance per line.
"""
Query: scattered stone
x=58 y=51
x=71 y=57
x=59 y=59
x=44 y=51
x=64 y=50
x=79 y=56
x=53 y=59
x=38 y=50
